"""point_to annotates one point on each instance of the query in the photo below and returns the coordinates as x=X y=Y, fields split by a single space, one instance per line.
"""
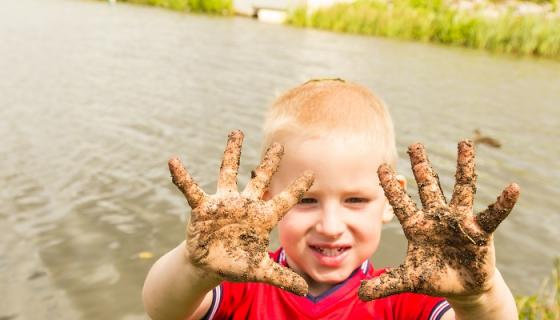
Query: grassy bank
x=219 y=7
x=434 y=21
x=546 y=304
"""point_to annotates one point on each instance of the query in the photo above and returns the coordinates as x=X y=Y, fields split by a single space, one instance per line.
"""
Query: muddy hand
x=228 y=232
x=450 y=250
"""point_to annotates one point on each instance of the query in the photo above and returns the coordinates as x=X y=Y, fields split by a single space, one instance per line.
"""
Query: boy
x=330 y=204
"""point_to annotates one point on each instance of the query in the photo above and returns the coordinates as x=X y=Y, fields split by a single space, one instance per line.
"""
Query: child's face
x=337 y=225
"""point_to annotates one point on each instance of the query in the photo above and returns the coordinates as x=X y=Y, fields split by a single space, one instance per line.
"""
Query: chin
x=332 y=277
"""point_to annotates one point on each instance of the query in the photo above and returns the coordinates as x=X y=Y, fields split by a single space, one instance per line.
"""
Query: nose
x=331 y=223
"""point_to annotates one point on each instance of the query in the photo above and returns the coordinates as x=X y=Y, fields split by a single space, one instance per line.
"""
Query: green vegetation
x=546 y=304
x=220 y=7
x=224 y=7
x=434 y=21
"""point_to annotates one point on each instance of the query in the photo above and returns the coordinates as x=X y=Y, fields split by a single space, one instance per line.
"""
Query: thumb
x=272 y=273
x=391 y=282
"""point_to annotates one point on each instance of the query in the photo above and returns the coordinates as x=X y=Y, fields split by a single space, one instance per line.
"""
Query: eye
x=307 y=201
x=356 y=200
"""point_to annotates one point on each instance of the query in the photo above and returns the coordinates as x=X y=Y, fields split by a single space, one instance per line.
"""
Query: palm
x=228 y=232
x=450 y=250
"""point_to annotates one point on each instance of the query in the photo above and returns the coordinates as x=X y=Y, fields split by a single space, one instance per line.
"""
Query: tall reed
x=546 y=304
x=220 y=7
x=433 y=21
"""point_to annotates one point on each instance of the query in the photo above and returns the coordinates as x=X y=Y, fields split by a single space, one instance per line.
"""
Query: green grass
x=546 y=304
x=433 y=21
x=219 y=7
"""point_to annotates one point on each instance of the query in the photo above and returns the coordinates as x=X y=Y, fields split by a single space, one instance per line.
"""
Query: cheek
x=294 y=226
x=369 y=242
x=288 y=228
x=368 y=231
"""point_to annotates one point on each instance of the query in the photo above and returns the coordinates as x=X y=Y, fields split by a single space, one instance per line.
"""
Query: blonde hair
x=332 y=108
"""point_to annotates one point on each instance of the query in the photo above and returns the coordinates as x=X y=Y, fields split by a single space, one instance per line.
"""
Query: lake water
x=95 y=98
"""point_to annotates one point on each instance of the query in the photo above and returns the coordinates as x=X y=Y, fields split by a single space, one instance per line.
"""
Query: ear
x=388 y=211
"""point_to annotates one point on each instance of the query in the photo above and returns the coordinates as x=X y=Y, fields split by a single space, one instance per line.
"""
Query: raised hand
x=450 y=250
x=228 y=232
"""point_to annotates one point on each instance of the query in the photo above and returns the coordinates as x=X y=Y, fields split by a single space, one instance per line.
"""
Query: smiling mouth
x=329 y=252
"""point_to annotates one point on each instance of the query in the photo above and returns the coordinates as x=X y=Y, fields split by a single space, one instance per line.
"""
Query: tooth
x=329 y=252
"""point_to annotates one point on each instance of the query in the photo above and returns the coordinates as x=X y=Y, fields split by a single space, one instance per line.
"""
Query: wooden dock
x=274 y=11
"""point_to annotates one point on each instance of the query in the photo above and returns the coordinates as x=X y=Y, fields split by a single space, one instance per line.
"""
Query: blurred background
x=95 y=97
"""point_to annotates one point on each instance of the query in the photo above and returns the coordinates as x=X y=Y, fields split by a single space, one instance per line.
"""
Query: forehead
x=347 y=163
x=324 y=148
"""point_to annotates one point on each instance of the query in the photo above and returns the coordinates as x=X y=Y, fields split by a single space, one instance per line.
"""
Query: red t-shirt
x=252 y=300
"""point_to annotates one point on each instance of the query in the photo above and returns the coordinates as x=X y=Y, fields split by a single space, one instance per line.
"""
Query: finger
x=389 y=283
x=227 y=181
x=465 y=176
x=262 y=175
x=403 y=206
x=272 y=273
x=427 y=179
x=490 y=218
x=182 y=179
x=283 y=202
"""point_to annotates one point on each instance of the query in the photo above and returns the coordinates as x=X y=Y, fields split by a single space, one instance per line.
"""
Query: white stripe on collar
x=365 y=266
x=282 y=257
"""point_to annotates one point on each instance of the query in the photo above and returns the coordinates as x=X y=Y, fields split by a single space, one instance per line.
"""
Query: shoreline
x=516 y=28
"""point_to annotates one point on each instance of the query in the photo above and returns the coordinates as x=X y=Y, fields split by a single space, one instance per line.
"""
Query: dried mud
x=228 y=232
x=450 y=249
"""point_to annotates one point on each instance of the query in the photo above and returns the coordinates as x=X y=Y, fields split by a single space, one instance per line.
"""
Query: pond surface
x=95 y=98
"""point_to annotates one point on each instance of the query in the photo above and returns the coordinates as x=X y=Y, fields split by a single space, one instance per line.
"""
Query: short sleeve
x=418 y=306
x=226 y=298
x=234 y=300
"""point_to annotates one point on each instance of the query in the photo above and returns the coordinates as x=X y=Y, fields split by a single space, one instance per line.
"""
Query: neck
x=315 y=288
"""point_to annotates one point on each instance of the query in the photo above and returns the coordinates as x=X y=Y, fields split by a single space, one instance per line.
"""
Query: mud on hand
x=450 y=250
x=228 y=232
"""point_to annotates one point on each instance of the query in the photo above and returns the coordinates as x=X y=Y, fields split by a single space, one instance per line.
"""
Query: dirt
x=449 y=248
x=228 y=233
